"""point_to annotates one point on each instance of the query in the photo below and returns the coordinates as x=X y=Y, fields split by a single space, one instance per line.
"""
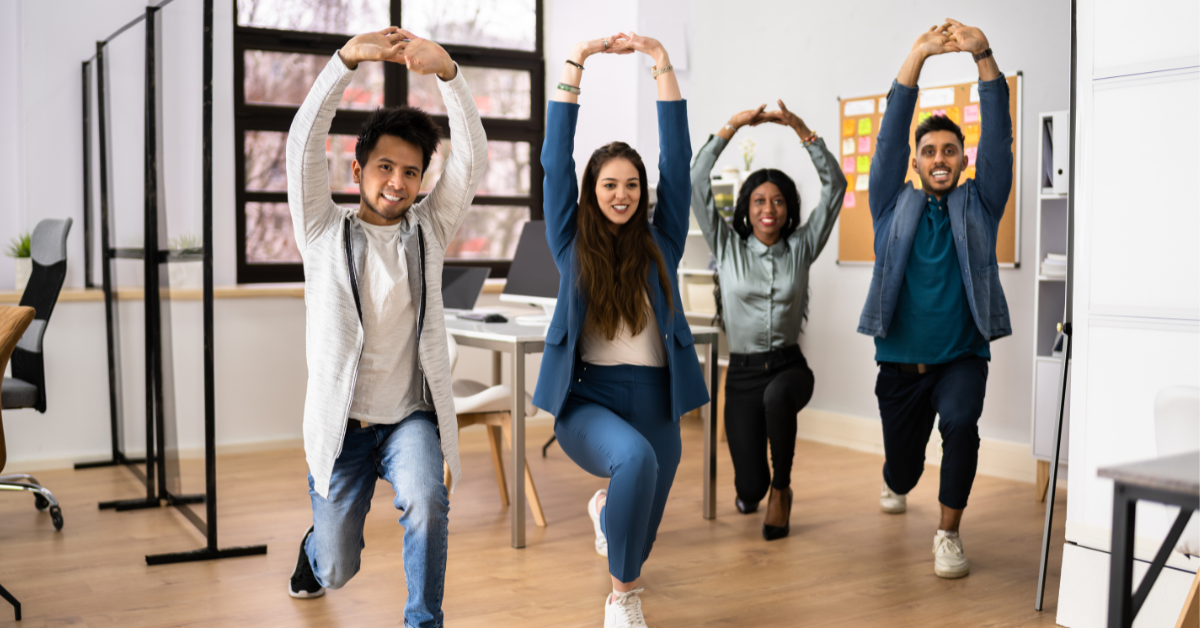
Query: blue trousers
x=409 y=456
x=907 y=405
x=617 y=424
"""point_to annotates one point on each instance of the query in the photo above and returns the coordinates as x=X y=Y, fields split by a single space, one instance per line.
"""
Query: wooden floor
x=845 y=564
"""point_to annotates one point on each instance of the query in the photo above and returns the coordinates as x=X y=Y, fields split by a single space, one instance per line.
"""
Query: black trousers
x=763 y=394
x=907 y=405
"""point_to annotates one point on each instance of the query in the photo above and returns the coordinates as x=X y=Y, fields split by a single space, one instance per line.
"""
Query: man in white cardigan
x=378 y=402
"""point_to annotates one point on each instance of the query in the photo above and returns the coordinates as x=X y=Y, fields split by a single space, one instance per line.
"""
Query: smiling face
x=389 y=181
x=618 y=190
x=939 y=162
x=768 y=212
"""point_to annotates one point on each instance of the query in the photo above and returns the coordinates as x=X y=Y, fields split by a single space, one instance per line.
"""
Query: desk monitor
x=533 y=277
x=462 y=285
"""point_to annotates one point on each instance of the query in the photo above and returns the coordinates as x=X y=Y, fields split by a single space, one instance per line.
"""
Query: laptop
x=461 y=287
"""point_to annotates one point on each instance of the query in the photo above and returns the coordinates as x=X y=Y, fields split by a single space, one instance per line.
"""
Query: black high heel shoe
x=745 y=508
x=772 y=533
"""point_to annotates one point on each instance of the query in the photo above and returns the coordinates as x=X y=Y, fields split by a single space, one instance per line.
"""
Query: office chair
x=27 y=387
x=13 y=322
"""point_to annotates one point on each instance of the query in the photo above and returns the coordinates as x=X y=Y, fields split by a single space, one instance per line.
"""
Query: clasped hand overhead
x=399 y=46
x=755 y=117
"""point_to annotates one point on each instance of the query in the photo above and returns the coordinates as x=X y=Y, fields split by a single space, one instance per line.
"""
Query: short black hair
x=407 y=123
x=787 y=187
x=939 y=123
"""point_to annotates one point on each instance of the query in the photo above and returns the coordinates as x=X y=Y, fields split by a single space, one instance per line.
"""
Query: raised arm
x=309 y=199
x=674 y=141
x=446 y=205
x=994 y=159
x=891 y=148
x=560 y=190
x=704 y=206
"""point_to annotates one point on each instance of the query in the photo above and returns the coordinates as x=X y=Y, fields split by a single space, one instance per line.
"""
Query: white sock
x=947 y=533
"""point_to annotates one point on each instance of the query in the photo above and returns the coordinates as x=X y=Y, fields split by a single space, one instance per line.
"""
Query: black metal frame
x=86 y=84
x=161 y=452
x=1123 y=606
x=16 y=604
x=248 y=117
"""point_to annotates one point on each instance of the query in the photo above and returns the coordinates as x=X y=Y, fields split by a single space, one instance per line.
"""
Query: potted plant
x=189 y=273
x=20 y=249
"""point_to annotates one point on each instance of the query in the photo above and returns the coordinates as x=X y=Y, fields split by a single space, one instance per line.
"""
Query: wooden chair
x=478 y=404
x=13 y=322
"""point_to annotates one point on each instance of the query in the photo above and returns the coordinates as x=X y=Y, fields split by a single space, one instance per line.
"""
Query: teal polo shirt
x=933 y=322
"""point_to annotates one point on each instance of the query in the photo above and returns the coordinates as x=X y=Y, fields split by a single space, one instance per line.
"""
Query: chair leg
x=493 y=432
x=721 y=406
x=1190 y=615
x=531 y=495
x=11 y=600
x=446 y=479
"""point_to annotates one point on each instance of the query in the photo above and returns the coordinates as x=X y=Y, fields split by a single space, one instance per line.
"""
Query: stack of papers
x=1054 y=266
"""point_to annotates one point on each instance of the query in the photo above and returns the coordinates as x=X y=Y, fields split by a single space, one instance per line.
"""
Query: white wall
x=810 y=56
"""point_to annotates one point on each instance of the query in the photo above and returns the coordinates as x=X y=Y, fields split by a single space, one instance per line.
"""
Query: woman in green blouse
x=763 y=260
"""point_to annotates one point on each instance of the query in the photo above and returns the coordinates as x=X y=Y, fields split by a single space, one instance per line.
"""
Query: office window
x=280 y=46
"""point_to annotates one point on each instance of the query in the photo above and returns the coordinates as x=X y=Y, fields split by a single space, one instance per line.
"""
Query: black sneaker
x=304 y=583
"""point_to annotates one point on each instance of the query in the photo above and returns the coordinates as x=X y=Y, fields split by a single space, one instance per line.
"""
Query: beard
x=398 y=215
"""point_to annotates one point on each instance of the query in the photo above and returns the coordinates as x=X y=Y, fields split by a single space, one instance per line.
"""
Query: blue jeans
x=907 y=405
x=409 y=456
x=617 y=424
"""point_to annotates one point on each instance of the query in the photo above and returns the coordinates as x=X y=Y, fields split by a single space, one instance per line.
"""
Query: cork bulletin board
x=859 y=125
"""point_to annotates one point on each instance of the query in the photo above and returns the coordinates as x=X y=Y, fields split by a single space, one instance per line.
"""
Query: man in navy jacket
x=935 y=300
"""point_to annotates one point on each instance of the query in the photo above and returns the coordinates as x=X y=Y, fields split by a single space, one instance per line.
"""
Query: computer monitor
x=533 y=277
x=462 y=285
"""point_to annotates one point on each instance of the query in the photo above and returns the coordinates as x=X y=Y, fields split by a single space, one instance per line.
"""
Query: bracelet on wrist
x=730 y=128
x=656 y=71
x=578 y=65
x=983 y=55
x=569 y=88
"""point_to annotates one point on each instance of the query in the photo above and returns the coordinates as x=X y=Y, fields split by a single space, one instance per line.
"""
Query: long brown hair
x=613 y=266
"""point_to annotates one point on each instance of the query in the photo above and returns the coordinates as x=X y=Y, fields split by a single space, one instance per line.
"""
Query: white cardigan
x=333 y=330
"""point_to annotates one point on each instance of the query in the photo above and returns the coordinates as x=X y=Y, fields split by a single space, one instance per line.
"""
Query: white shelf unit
x=696 y=284
x=1049 y=298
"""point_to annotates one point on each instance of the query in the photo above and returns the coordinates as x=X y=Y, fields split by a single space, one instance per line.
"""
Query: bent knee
x=335 y=574
x=638 y=458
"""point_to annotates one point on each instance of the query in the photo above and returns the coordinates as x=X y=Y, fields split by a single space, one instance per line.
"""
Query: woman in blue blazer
x=619 y=367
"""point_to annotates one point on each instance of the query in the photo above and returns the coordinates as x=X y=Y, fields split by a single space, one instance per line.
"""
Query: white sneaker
x=892 y=503
x=625 y=611
x=948 y=558
x=594 y=513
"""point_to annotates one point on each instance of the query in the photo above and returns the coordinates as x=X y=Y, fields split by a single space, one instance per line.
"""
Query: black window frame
x=255 y=117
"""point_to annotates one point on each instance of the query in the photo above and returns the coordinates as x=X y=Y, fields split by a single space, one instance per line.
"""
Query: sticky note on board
x=849 y=201
x=954 y=114
x=921 y=117
x=883 y=104
x=848 y=146
x=864 y=126
x=864 y=164
x=971 y=153
x=850 y=181
x=859 y=107
x=848 y=165
x=940 y=97
x=848 y=128
x=968 y=173
x=939 y=112
x=864 y=144
x=863 y=184
x=974 y=92
x=971 y=131
x=970 y=114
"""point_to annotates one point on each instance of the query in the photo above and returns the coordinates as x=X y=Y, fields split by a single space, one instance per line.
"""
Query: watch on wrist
x=982 y=55
x=730 y=127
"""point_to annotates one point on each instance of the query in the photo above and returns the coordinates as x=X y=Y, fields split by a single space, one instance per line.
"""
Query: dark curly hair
x=741 y=211
x=407 y=123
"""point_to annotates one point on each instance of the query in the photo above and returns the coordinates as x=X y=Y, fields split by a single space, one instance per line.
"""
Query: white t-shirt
x=389 y=386
x=644 y=349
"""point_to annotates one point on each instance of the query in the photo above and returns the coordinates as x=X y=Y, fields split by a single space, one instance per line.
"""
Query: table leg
x=1120 y=579
x=710 y=435
x=518 y=444
x=496 y=369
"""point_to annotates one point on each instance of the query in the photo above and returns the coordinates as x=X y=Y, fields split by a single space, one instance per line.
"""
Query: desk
x=519 y=340
x=1174 y=480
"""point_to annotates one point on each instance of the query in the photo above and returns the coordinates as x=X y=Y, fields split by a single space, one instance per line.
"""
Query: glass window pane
x=347 y=17
x=507 y=172
x=487 y=23
x=269 y=235
x=489 y=232
x=282 y=78
x=266 y=169
x=498 y=93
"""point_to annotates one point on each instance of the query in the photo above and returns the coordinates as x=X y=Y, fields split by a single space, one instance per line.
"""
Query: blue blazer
x=975 y=209
x=669 y=229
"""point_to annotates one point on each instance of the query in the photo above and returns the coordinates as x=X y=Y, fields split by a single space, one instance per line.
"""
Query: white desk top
x=514 y=332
